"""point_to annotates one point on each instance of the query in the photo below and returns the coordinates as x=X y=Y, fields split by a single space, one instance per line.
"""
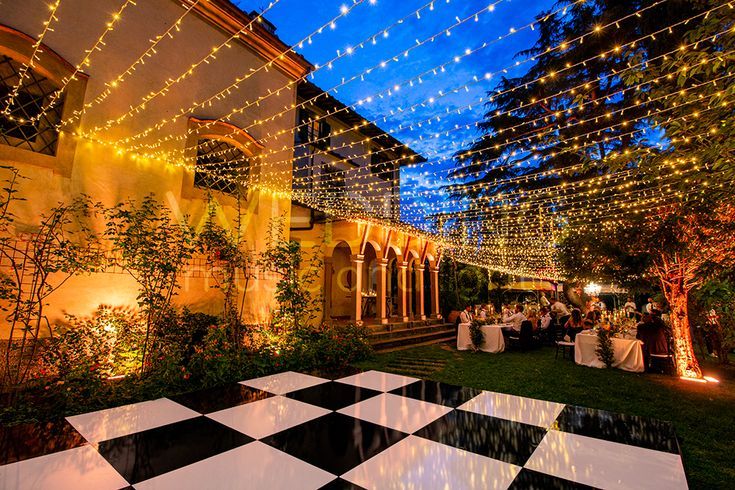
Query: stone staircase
x=416 y=368
x=404 y=335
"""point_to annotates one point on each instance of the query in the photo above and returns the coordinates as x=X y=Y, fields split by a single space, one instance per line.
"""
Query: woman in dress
x=574 y=325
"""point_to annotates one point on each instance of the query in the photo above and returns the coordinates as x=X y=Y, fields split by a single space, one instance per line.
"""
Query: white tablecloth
x=493 y=335
x=628 y=353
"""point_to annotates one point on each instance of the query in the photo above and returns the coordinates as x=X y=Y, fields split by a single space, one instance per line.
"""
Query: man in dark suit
x=652 y=332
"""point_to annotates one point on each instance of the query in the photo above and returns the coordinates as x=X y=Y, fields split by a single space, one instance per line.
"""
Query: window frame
x=208 y=129
x=19 y=46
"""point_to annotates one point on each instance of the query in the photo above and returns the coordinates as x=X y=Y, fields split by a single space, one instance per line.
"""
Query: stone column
x=382 y=286
x=419 y=314
x=357 y=261
x=328 y=280
x=403 y=291
x=434 y=292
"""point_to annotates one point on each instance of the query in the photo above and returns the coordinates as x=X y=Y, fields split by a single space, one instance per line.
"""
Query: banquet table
x=628 y=352
x=493 y=338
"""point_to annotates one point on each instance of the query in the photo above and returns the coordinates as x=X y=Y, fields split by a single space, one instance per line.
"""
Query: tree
x=461 y=285
x=557 y=121
x=60 y=245
x=499 y=282
x=679 y=246
x=225 y=259
x=296 y=274
x=153 y=250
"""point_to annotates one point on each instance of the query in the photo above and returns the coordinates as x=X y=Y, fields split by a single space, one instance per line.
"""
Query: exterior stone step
x=392 y=326
x=411 y=337
x=452 y=339
x=407 y=331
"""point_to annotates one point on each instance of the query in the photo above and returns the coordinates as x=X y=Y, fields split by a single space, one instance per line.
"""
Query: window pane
x=35 y=93
x=220 y=166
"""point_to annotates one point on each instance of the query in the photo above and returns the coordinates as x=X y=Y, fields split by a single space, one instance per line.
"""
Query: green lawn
x=703 y=414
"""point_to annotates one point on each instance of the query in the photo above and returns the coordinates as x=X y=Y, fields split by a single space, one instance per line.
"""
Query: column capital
x=381 y=262
x=402 y=265
x=420 y=267
x=357 y=258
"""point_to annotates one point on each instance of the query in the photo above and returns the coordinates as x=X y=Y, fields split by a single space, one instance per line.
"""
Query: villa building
x=101 y=122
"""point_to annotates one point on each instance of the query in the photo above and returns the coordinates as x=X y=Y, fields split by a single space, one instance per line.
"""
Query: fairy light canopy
x=423 y=87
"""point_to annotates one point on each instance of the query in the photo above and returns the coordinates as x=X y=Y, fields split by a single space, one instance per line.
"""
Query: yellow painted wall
x=109 y=176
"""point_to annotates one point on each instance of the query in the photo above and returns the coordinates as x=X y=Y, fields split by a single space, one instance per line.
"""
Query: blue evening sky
x=296 y=19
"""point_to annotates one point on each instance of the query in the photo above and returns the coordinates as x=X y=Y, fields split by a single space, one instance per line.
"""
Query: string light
x=35 y=51
x=360 y=142
x=149 y=53
x=55 y=97
x=466 y=231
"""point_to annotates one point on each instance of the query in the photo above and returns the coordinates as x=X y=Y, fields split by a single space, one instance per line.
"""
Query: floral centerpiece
x=476 y=335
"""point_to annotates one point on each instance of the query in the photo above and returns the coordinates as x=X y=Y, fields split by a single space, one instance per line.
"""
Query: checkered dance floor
x=370 y=430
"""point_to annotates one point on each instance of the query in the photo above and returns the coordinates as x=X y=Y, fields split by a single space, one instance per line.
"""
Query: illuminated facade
x=110 y=125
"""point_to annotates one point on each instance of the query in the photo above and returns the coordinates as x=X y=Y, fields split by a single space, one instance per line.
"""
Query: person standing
x=648 y=307
x=466 y=315
x=652 y=332
x=544 y=301
x=630 y=307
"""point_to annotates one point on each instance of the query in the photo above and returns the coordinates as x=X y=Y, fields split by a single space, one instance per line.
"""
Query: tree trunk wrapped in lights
x=677 y=280
x=679 y=246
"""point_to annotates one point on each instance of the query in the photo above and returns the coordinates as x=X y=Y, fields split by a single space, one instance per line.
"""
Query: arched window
x=20 y=125
x=29 y=131
x=222 y=159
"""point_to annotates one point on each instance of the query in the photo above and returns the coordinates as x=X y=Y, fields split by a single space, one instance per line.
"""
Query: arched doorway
x=427 y=288
x=392 y=289
x=340 y=282
x=370 y=284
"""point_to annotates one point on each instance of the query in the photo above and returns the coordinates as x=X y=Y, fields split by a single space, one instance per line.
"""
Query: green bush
x=326 y=348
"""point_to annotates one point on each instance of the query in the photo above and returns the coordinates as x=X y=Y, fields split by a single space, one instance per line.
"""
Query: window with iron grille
x=316 y=132
x=220 y=166
x=22 y=127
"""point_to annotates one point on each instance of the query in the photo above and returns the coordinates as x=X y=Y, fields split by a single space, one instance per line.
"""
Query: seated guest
x=574 y=325
x=590 y=319
x=466 y=315
x=483 y=313
x=506 y=310
x=652 y=332
x=516 y=318
x=533 y=318
x=545 y=320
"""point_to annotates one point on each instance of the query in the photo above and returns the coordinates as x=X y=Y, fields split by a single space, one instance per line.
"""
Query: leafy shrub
x=107 y=344
x=326 y=348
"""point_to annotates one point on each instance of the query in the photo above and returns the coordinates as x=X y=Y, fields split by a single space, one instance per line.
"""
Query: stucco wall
x=110 y=176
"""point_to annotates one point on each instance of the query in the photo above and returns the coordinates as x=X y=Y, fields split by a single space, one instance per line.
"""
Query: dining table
x=628 y=352
x=493 y=341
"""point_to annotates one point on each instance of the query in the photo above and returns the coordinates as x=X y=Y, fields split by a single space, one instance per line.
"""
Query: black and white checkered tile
x=370 y=430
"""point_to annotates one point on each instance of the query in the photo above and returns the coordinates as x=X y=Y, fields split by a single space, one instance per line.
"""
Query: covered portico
x=378 y=275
